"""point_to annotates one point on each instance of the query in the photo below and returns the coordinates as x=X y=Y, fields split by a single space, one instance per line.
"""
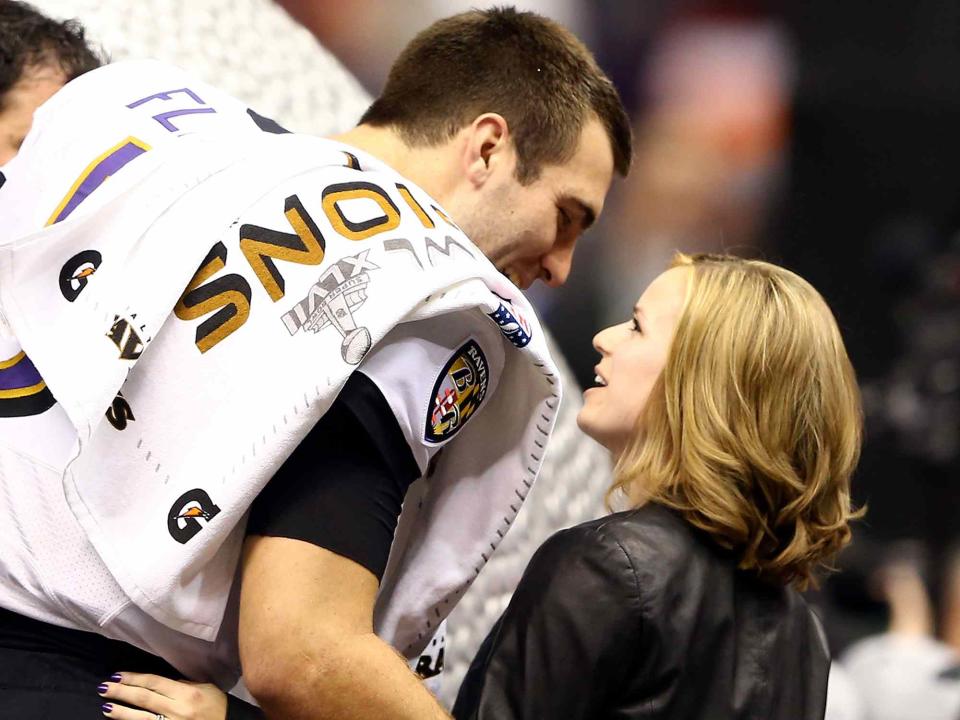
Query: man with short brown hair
x=321 y=530
x=535 y=72
x=547 y=93
x=511 y=126
x=504 y=118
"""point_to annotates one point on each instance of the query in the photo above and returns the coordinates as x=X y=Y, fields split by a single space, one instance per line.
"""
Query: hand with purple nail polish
x=147 y=697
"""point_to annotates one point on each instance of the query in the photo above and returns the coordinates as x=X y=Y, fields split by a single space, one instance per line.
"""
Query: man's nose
x=555 y=266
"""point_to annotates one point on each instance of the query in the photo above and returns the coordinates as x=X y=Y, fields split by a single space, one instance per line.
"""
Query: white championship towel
x=222 y=402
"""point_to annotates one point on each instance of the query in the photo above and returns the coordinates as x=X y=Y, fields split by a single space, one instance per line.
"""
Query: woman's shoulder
x=607 y=551
x=590 y=559
x=652 y=545
x=651 y=532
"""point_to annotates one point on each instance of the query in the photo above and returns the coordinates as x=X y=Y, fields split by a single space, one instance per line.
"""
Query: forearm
x=360 y=677
x=307 y=645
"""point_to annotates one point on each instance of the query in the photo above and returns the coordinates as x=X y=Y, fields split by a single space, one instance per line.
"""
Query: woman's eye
x=636 y=326
x=563 y=218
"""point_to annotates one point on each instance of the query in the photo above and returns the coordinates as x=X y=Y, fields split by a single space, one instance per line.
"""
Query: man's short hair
x=529 y=69
x=29 y=40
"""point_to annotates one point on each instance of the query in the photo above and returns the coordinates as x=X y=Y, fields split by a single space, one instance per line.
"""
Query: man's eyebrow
x=588 y=214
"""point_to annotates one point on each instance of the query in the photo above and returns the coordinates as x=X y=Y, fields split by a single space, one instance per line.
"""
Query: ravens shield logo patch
x=458 y=392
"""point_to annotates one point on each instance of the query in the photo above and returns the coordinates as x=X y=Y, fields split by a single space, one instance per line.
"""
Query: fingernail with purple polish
x=107 y=708
x=102 y=688
x=116 y=677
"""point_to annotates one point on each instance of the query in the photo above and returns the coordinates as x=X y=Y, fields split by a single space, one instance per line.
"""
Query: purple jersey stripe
x=98 y=174
x=21 y=375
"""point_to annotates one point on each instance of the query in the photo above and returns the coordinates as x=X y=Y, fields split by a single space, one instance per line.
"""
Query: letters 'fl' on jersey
x=198 y=297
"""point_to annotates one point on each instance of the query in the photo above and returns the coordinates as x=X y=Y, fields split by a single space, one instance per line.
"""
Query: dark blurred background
x=816 y=134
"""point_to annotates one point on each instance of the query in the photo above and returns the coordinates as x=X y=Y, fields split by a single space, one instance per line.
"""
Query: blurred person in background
x=843 y=698
x=906 y=672
x=685 y=605
x=38 y=56
x=566 y=221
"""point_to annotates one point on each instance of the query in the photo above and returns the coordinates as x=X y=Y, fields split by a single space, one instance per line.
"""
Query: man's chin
x=513 y=277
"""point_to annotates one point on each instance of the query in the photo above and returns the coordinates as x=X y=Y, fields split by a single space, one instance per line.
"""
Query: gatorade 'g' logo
x=74 y=273
x=190 y=514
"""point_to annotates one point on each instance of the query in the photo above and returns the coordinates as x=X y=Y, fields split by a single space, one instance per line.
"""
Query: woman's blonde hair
x=754 y=426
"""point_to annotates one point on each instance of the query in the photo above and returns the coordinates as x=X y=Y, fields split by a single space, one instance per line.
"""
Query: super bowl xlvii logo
x=514 y=326
x=332 y=300
x=458 y=392
x=190 y=514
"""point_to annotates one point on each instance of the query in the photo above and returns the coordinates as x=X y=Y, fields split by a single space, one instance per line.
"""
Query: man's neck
x=427 y=166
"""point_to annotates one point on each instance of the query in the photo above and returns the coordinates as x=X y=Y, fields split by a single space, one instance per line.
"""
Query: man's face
x=35 y=87
x=529 y=231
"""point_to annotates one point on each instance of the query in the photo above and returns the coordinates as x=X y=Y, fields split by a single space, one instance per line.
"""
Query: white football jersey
x=51 y=571
x=434 y=374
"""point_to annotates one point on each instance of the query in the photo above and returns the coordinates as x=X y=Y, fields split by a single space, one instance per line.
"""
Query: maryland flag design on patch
x=458 y=392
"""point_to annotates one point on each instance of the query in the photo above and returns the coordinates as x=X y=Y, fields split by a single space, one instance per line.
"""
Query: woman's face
x=633 y=354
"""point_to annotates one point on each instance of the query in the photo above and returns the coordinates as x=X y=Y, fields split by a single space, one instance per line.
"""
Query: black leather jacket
x=638 y=615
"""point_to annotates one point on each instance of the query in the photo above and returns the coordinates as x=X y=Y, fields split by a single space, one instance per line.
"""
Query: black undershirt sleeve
x=343 y=486
x=238 y=709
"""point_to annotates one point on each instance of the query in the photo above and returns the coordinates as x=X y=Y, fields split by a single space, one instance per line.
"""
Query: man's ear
x=488 y=149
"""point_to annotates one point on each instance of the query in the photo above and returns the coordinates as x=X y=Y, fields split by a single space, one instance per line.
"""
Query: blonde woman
x=732 y=410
